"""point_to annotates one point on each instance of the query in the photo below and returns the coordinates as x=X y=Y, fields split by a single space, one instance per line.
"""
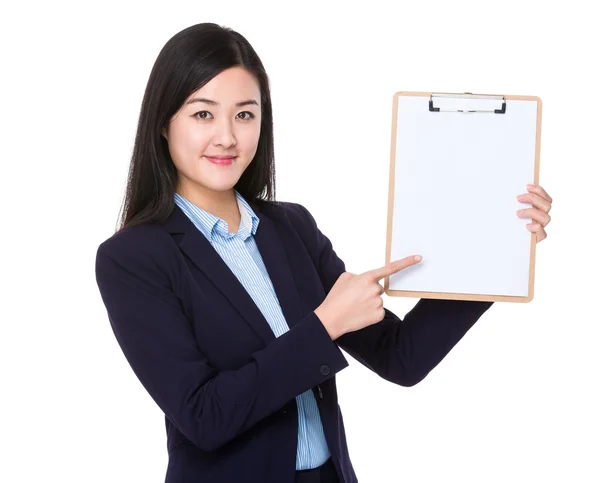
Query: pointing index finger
x=393 y=267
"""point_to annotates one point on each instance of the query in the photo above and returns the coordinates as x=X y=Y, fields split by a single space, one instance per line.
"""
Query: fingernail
x=417 y=258
x=531 y=186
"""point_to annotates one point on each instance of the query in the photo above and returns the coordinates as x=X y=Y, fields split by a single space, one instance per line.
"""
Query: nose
x=223 y=134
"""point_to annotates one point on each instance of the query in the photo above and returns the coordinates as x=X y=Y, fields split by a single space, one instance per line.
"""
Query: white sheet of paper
x=457 y=177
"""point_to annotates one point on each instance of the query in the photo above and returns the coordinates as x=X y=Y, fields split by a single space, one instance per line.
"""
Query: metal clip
x=467 y=102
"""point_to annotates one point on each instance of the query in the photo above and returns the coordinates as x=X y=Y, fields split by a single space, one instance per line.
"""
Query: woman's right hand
x=355 y=301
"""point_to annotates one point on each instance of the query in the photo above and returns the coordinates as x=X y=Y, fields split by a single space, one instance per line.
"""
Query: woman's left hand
x=541 y=204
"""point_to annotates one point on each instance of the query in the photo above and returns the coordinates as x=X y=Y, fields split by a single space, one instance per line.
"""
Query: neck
x=219 y=203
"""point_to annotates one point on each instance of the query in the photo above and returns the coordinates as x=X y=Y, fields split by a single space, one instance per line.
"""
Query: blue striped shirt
x=240 y=252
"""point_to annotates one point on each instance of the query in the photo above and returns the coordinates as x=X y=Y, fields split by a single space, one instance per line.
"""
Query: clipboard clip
x=467 y=102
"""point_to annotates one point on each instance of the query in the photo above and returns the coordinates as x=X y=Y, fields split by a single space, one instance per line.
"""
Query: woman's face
x=222 y=118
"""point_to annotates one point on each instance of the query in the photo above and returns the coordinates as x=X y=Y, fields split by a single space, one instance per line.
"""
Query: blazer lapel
x=270 y=241
x=199 y=250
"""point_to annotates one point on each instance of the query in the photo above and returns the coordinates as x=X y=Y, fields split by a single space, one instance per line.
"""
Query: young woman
x=231 y=307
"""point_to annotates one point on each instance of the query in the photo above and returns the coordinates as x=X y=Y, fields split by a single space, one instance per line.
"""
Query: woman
x=231 y=307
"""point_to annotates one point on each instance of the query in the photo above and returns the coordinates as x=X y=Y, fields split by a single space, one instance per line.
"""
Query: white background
x=517 y=400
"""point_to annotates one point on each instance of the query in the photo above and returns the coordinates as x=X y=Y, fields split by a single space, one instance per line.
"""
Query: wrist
x=329 y=323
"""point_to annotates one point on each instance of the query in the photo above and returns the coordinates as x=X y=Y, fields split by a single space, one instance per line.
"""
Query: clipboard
x=457 y=164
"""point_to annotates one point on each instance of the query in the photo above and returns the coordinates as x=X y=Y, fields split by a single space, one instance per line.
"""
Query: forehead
x=230 y=86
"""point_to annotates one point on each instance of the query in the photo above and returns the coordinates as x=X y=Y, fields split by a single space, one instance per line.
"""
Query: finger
x=536 y=188
x=534 y=227
x=393 y=267
x=535 y=214
x=539 y=231
x=536 y=200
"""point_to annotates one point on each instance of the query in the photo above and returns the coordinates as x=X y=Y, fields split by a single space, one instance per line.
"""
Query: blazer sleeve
x=210 y=407
x=400 y=351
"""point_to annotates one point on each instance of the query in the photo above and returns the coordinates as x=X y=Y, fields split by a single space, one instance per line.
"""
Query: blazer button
x=325 y=370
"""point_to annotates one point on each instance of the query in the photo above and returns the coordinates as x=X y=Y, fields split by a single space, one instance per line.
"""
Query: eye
x=250 y=115
x=202 y=115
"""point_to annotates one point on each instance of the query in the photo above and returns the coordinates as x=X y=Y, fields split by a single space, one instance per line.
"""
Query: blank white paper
x=457 y=177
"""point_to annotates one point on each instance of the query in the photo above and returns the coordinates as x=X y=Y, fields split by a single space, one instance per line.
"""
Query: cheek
x=186 y=143
x=250 y=137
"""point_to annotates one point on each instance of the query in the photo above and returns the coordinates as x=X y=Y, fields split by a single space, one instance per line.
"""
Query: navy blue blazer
x=208 y=358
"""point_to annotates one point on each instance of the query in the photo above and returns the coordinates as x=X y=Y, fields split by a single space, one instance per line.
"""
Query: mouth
x=221 y=160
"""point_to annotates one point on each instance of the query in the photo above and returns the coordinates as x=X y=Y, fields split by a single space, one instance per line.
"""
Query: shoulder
x=139 y=248
x=137 y=238
x=139 y=259
x=295 y=218
x=287 y=211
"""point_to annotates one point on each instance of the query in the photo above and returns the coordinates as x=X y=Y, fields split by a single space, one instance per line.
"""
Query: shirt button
x=325 y=370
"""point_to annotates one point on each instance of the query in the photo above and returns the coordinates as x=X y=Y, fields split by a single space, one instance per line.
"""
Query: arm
x=400 y=351
x=211 y=408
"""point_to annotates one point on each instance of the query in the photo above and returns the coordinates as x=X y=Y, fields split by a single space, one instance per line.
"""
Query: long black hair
x=189 y=60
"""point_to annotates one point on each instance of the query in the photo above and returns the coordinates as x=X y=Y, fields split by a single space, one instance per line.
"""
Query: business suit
x=205 y=353
x=238 y=249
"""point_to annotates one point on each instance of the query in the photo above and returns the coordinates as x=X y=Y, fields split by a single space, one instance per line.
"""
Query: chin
x=219 y=187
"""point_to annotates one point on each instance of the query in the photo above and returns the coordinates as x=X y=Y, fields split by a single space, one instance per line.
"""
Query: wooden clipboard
x=448 y=144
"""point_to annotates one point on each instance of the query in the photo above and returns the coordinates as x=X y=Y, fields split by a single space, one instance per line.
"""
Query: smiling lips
x=221 y=160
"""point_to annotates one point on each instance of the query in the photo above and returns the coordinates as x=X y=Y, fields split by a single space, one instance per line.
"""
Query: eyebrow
x=214 y=103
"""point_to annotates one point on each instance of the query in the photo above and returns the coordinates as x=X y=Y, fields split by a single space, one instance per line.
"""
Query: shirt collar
x=210 y=225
